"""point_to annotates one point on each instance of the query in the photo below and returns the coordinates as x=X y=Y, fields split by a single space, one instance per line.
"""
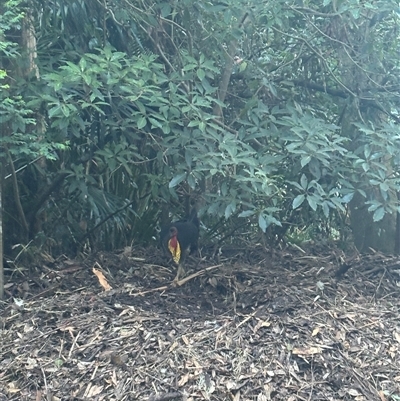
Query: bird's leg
x=180 y=272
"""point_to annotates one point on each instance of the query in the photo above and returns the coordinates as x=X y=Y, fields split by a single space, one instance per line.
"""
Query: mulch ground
x=247 y=324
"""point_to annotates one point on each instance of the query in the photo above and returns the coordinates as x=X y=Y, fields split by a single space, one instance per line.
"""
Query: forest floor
x=250 y=324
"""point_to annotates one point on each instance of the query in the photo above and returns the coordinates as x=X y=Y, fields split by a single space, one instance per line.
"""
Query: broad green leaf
x=201 y=74
x=247 y=213
x=224 y=189
x=165 y=10
x=188 y=158
x=65 y=110
x=155 y=123
x=262 y=222
x=384 y=186
x=191 y=181
x=177 y=180
x=374 y=207
x=141 y=123
x=303 y=181
x=348 y=197
x=305 y=160
x=231 y=208
x=297 y=201
x=312 y=202
x=378 y=214
x=325 y=209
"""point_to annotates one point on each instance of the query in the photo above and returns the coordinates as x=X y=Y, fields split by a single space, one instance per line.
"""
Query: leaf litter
x=291 y=324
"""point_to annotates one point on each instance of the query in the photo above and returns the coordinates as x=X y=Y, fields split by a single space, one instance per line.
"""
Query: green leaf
x=165 y=10
x=262 y=222
x=177 y=180
x=348 y=197
x=189 y=67
x=188 y=158
x=325 y=209
x=312 y=202
x=141 y=123
x=304 y=181
x=191 y=181
x=54 y=111
x=297 y=201
x=207 y=87
x=247 y=213
x=243 y=66
x=384 y=186
x=378 y=214
x=200 y=74
x=230 y=209
x=65 y=110
x=305 y=160
x=155 y=123
x=166 y=128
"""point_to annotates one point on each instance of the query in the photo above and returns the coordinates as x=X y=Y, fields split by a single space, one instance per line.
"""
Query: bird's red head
x=173 y=234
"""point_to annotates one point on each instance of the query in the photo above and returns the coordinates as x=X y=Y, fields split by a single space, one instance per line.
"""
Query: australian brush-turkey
x=180 y=237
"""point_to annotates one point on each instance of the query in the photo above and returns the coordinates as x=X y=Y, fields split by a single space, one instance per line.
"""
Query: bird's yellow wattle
x=175 y=250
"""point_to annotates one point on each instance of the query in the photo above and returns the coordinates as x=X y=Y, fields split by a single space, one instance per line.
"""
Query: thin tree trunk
x=29 y=45
x=225 y=78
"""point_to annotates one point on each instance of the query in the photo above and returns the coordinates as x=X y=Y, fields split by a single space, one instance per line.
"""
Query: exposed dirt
x=249 y=325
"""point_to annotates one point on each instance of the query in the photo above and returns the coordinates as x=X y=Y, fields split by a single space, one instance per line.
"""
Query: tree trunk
x=368 y=234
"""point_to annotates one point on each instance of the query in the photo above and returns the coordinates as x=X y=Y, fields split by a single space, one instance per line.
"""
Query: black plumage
x=180 y=237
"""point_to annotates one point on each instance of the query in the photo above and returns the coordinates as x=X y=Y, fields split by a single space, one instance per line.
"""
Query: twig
x=180 y=282
x=48 y=395
x=165 y=397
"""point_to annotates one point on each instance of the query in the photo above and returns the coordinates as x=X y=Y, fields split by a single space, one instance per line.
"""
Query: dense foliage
x=277 y=115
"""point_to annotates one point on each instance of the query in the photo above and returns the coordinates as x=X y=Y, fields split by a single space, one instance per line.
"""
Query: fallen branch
x=180 y=282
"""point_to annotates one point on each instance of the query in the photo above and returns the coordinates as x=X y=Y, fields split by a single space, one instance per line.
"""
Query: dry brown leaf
x=315 y=332
x=173 y=346
x=382 y=396
x=267 y=390
x=12 y=388
x=95 y=390
x=183 y=380
x=102 y=280
x=197 y=364
x=261 y=323
x=340 y=335
x=230 y=384
x=353 y=392
x=307 y=351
